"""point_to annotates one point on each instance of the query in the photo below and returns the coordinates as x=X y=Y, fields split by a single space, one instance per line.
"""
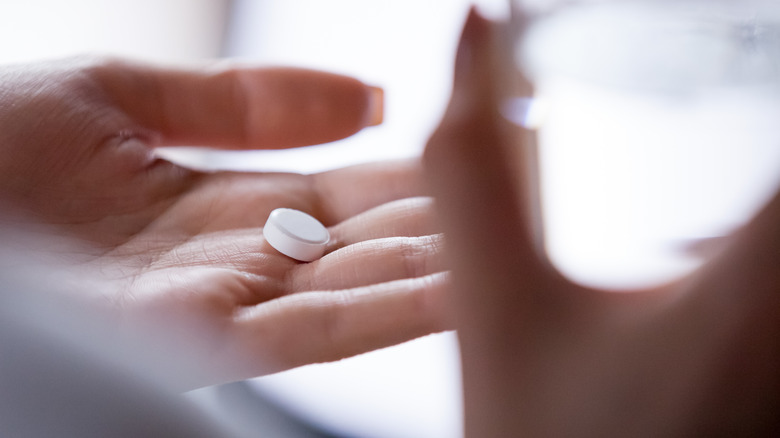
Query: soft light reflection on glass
x=660 y=130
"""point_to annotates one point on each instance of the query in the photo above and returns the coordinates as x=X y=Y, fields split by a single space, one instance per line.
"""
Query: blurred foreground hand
x=543 y=357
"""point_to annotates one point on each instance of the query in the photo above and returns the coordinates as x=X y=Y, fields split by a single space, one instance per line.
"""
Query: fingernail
x=376 y=106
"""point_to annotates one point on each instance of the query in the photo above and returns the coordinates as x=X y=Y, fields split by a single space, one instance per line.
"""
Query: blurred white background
x=166 y=30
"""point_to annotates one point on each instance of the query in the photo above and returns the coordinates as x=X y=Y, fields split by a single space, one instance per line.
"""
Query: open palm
x=179 y=254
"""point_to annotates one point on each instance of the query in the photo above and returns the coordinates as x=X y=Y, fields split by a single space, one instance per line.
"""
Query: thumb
x=506 y=296
x=482 y=171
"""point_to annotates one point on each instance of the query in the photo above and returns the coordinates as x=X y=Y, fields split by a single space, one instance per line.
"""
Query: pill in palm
x=296 y=234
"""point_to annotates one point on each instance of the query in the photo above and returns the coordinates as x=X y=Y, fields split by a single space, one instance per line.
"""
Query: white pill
x=296 y=234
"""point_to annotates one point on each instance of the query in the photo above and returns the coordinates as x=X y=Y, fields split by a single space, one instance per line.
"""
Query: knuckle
x=418 y=255
x=101 y=69
x=333 y=326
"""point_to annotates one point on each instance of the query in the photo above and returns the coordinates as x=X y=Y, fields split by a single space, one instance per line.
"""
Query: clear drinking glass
x=660 y=128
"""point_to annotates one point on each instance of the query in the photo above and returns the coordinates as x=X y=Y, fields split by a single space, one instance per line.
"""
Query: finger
x=239 y=107
x=242 y=250
x=476 y=163
x=371 y=262
x=227 y=200
x=326 y=326
x=344 y=193
x=410 y=217
x=237 y=247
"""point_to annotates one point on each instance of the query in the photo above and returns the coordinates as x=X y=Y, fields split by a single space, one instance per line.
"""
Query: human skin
x=543 y=356
x=176 y=256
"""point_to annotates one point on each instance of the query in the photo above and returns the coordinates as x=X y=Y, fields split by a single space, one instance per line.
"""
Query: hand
x=545 y=357
x=178 y=255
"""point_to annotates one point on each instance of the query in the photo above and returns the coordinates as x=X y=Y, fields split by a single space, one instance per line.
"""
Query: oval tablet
x=296 y=234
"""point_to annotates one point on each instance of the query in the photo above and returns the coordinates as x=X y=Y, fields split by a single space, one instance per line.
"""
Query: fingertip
x=470 y=56
x=473 y=29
